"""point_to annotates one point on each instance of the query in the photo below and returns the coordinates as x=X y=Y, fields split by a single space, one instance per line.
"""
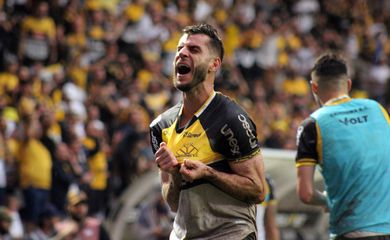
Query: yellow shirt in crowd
x=45 y=26
x=34 y=164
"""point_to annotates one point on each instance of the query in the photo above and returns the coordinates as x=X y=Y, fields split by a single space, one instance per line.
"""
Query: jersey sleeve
x=155 y=133
x=385 y=113
x=239 y=139
x=307 y=143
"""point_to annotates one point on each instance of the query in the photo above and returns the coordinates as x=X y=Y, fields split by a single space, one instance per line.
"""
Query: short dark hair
x=207 y=29
x=330 y=65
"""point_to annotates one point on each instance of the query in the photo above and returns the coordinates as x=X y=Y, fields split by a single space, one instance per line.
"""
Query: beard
x=198 y=77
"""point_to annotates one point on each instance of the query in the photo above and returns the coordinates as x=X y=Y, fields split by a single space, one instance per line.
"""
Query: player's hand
x=192 y=170
x=165 y=159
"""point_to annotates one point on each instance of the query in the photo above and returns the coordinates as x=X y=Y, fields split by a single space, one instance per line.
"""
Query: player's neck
x=192 y=102
x=335 y=97
x=196 y=97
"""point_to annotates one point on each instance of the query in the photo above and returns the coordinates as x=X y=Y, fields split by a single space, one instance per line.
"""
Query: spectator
x=75 y=42
x=87 y=227
x=14 y=203
x=63 y=175
x=154 y=222
x=8 y=33
x=47 y=122
x=9 y=80
x=46 y=226
x=379 y=75
x=97 y=150
x=79 y=162
x=294 y=84
x=125 y=165
x=32 y=155
x=5 y=223
x=5 y=157
x=38 y=36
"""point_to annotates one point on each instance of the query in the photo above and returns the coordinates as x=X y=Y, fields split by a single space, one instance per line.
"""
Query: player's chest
x=193 y=142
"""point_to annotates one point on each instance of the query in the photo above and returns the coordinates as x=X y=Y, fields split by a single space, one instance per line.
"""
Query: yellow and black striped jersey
x=219 y=132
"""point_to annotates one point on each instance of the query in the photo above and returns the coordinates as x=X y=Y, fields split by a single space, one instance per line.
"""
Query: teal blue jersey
x=352 y=148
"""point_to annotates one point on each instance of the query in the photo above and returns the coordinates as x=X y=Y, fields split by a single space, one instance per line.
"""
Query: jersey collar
x=338 y=100
x=205 y=105
x=197 y=113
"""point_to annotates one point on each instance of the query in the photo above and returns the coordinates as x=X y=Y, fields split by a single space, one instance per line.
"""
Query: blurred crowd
x=80 y=81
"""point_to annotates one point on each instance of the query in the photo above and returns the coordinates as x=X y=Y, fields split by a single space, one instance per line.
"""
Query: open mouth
x=183 y=69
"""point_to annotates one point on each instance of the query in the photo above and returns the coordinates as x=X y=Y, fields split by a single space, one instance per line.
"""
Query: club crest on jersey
x=187 y=150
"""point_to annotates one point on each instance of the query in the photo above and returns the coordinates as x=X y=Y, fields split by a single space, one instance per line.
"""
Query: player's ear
x=215 y=64
x=349 y=82
x=314 y=86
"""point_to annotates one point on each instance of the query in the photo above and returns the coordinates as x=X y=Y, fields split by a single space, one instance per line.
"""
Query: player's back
x=354 y=147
